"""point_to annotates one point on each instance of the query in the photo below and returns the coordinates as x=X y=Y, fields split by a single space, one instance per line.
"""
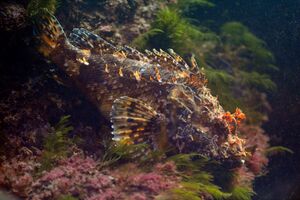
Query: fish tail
x=49 y=31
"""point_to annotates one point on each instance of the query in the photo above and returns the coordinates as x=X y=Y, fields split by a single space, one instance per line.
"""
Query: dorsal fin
x=85 y=39
x=133 y=53
x=164 y=59
x=166 y=68
x=192 y=63
x=178 y=59
x=179 y=70
x=173 y=67
x=134 y=122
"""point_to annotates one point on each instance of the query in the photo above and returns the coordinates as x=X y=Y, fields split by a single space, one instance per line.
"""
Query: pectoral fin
x=134 y=121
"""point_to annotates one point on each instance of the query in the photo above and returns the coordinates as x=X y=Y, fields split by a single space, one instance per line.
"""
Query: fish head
x=202 y=128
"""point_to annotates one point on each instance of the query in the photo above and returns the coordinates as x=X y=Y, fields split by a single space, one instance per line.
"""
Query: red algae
x=79 y=177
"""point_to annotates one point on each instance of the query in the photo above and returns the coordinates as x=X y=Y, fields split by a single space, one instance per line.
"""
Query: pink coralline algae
x=146 y=185
x=151 y=182
x=109 y=194
x=17 y=175
x=258 y=142
x=244 y=177
x=256 y=161
x=79 y=177
x=75 y=176
x=139 y=196
x=166 y=168
x=162 y=178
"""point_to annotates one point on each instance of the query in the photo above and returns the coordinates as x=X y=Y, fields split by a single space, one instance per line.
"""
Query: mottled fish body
x=154 y=97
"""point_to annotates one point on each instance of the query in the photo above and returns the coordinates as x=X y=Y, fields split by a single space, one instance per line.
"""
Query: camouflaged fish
x=153 y=97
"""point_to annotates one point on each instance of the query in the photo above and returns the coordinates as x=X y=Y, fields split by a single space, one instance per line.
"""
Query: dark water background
x=278 y=23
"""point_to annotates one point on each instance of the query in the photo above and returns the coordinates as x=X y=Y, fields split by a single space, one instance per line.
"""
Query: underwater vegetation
x=57 y=145
x=34 y=6
x=182 y=176
x=236 y=62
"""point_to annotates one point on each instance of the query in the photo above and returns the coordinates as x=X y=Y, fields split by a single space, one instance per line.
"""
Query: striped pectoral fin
x=134 y=122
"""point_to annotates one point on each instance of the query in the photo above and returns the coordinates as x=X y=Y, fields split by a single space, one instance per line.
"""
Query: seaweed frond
x=214 y=191
x=67 y=197
x=194 y=191
x=35 y=5
x=189 y=162
x=257 y=80
x=190 y=167
x=236 y=35
x=122 y=153
x=196 y=181
x=170 y=30
x=277 y=150
x=241 y=193
x=180 y=194
x=56 y=144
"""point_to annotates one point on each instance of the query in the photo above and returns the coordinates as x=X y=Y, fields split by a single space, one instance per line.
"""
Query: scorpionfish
x=155 y=97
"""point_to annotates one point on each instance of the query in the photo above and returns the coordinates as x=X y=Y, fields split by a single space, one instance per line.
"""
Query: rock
x=12 y=16
x=6 y=196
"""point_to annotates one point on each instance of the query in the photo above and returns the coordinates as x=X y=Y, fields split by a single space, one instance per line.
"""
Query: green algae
x=278 y=150
x=56 y=144
x=67 y=197
x=236 y=34
x=121 y=153
x=233 y=58
x=241 y=193
x=170 y=30
x=196 y=179
x=35 y=5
